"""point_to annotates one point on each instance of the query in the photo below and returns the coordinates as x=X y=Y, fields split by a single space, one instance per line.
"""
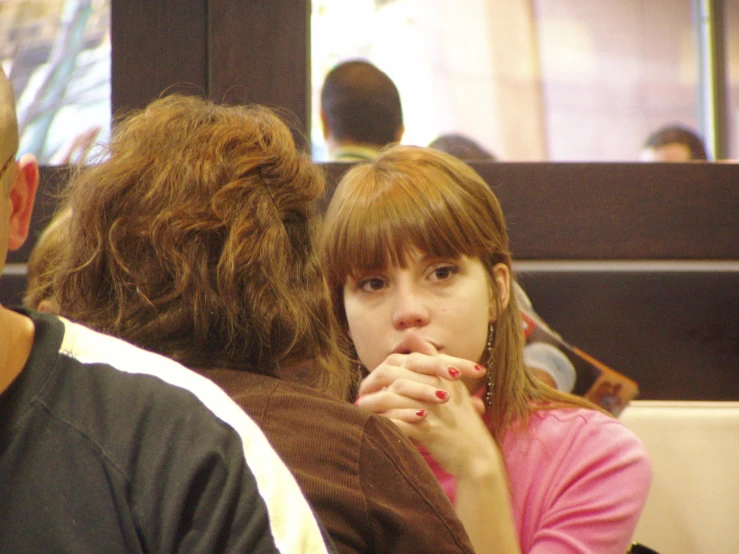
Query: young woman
x=416 y=252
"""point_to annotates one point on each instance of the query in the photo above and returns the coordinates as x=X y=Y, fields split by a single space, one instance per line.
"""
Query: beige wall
x=613 y=71
x=559 y=80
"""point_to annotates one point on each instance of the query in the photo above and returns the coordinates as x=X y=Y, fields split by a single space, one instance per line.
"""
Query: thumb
x=414 y=342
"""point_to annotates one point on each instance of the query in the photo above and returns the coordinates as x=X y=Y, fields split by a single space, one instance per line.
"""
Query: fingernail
x=478 y=367
x=421 y=413
x=453 y=372
x=441 y=394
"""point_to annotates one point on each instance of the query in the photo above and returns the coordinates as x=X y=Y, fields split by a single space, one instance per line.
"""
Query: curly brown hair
x=194 y=238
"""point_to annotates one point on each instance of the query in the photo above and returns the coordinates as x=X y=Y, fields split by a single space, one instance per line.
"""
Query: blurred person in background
x=360 y=111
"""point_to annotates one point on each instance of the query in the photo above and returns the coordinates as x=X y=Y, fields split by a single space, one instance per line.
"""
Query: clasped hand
x=425 y=395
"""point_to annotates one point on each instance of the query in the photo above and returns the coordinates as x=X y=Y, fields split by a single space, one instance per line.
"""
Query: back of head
x=8 y=149
x=461 y=147
x=194 y=239
x=361 y=104
x=8 y=131
x=677 y=134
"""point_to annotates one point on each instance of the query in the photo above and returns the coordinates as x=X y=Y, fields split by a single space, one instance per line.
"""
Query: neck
x=368 y=150
x=16 y=334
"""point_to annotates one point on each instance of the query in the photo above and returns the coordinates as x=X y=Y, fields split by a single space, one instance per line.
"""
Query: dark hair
x=461 y=147
x=194 y=239
x=677 y=134
x=361 y=104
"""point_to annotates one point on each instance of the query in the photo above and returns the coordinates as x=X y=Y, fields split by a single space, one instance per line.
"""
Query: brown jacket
x=368 y=484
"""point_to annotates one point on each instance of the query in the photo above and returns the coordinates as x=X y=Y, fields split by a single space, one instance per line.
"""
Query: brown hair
x=419 y=198
x=194 y=238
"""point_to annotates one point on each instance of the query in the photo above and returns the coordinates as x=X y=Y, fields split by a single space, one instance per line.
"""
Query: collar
x=354 y=153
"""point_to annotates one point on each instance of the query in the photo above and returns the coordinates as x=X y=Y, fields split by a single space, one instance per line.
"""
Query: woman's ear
x=502 y=283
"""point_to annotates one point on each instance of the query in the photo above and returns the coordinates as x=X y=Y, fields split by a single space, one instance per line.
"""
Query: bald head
x=8 y=128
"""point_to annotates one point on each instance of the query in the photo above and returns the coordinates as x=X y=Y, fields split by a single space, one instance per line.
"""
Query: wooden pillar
x=227 y=50
x=517 y=77
x=156 y=47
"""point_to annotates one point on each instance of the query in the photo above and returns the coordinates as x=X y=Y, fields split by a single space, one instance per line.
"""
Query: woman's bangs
x=384 y=230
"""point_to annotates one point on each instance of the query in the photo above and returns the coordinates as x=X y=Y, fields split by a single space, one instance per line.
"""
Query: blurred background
x=530 y=80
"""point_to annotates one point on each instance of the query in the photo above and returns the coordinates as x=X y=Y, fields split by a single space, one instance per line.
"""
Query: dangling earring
x=361 y=370
x=359 y=374
x=489 y=364
x=358 y=365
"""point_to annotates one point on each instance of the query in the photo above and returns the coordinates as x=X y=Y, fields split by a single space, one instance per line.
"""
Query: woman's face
x=435 y=303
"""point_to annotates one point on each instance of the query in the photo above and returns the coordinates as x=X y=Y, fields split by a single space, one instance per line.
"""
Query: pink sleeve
x=588 y=480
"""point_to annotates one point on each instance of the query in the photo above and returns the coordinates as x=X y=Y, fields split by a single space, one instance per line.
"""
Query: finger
x=414 y=342
x=419 y=391
x=408 y=415
x=443 y=366
x=466 y=368
x=385 y=401
x=386 y=374
x=410 y=430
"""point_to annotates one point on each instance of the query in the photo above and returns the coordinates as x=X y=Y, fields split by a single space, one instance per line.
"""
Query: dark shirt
x=107 y=448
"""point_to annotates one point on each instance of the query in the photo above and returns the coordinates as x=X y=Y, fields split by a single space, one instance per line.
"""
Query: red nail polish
x=453 y=372
x=478 y=367
x=441 y=394
x=421 y=413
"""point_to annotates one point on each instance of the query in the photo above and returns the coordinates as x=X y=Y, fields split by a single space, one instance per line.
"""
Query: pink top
x=578 y=481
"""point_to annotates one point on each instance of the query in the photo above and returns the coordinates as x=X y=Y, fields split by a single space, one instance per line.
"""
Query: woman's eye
x=371 y=284
x=444 y=272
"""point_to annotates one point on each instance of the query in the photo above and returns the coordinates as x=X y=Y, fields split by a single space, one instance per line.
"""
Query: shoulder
x=583 y=426
x=275 y=402
x=116 y=394
x=353 y=465
x=569 y=432
x=135 y=412
x=572 y=442
x=577 y=476
x=146 y=380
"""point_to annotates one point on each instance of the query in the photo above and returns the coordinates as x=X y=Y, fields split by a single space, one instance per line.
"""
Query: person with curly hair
x=194 y=238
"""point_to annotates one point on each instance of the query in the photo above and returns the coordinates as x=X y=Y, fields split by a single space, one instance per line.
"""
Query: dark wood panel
x=12 y=288
x=612 y=211
x=698 y=221
x=157 y=46
x=259 y=52
x=675 y=333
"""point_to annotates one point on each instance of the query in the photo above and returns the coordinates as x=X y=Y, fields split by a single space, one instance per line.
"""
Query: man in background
x=360 y=111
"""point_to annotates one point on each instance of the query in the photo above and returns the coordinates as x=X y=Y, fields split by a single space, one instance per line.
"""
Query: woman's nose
x=409 y=310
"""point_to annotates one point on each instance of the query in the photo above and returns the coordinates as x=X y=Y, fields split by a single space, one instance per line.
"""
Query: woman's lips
x=413 y=342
